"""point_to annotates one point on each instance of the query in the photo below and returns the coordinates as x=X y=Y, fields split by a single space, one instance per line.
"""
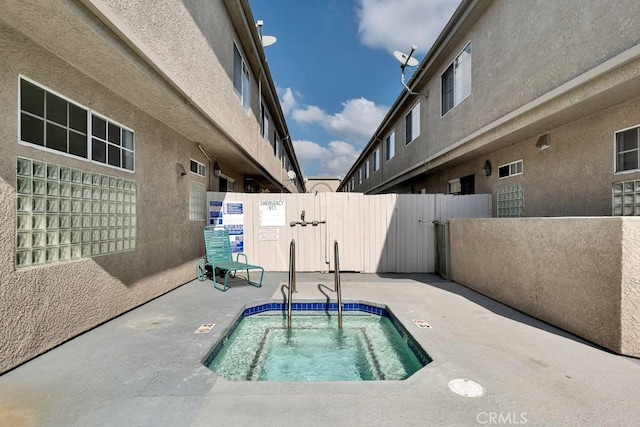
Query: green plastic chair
x=219 y=257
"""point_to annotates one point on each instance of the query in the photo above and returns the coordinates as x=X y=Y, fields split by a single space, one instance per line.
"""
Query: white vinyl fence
x=388 y=233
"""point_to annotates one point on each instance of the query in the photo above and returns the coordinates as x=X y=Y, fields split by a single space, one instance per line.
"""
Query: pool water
x=367 y=348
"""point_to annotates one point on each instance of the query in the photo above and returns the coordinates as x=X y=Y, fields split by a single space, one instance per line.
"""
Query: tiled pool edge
x=381 y=310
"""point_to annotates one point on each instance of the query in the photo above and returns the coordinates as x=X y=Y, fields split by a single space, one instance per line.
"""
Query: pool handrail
x=292 y=279
x=337 y=285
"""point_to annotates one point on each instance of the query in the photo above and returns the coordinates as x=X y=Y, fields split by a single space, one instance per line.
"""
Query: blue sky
x=335 y=72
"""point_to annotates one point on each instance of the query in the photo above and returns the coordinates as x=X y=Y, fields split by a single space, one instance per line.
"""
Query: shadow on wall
x=494 y=306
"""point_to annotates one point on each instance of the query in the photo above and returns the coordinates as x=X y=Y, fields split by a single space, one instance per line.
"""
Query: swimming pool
x=372 y=345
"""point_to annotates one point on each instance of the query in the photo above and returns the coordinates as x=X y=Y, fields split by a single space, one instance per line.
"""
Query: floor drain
x=466 y=388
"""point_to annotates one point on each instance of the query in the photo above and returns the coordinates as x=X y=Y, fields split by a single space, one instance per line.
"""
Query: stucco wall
x=580 y=274
x=44 y=306
x=573 y=176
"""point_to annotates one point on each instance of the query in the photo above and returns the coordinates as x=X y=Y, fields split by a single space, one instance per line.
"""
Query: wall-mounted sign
x=272 y=213
x=269 y=233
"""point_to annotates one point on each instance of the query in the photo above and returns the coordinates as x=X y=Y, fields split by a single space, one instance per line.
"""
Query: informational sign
x=215 y=212
x=230 y=215
x=272 y=213
x=269 y=233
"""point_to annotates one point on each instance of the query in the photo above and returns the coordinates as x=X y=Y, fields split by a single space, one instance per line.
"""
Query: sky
x=334 y=69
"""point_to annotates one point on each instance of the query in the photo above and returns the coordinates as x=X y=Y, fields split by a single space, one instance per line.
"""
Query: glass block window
x=52 y=122
x=197 y=201
x=510 y=200
x=65 y=213
x=626 y=198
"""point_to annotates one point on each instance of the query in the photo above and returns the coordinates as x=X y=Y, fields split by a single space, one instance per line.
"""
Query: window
x=511 y=169
x=359 y=176
x=453 y=186
x=265 y=123
x=65 y=213
x=276 y=147
x=626 y=198
x=456 y=80
x=366 y=169
x=376 y=159
x=390 y=146
x=353 y=184
x=240 y=77
x=197 y=168
x=197 y=201
x=628 y=150
x=412 y=123
x=55 y=123
x=226 y=184
x=510 y=200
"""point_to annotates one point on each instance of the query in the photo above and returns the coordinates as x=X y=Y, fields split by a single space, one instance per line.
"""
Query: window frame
x=366 y=169
x=390 y=145
x=376 y=159
x=360 y=176
x=453 y=65
x=414 y=120
x=616 y=153
x=245 y=80
x=204 y=168
x=89 y=132
x=265 y=115
x=510 y=166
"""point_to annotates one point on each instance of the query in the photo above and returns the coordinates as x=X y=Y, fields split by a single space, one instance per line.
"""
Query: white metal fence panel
x=377 y=234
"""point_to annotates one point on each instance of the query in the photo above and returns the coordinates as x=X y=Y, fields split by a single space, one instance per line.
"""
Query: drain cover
x=466 y=388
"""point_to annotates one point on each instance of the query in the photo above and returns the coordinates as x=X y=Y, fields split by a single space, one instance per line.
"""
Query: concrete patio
x=144 y=367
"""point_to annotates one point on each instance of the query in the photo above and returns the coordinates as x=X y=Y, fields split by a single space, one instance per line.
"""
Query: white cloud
x=288 y=101
x=356 y=122
x=309 y=114
x=335 y=159
x=397 y=24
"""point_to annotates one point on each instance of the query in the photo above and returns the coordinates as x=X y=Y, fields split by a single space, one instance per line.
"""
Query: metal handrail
x=292 y=279
x=337 y=285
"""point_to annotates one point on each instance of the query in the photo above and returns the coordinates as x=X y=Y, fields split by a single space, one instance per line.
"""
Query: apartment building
x=536 y=103
x=117 y=117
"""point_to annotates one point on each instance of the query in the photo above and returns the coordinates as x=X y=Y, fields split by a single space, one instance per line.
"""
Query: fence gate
x=388 y=233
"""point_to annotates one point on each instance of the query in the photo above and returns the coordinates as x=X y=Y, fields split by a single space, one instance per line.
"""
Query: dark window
x=51 y=121
x=32 y=129
x=77 y=118
x=407 y=122
x=114 y=155
x=447 y=90
x=98 y=151
x=77 y=144
x=627 y=150
x=56 y=137
x=56 y=109
x=503 y=171
x=31 y=98
x=114 y=134
x=98 y=127
x=468 y=184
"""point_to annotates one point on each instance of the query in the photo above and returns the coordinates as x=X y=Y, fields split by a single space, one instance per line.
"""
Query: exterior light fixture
x=216 y=169
x=487 y=168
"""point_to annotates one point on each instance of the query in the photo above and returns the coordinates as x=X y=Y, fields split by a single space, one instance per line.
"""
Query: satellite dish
x=405 y=59
x=268 y=41
x=292 y=175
